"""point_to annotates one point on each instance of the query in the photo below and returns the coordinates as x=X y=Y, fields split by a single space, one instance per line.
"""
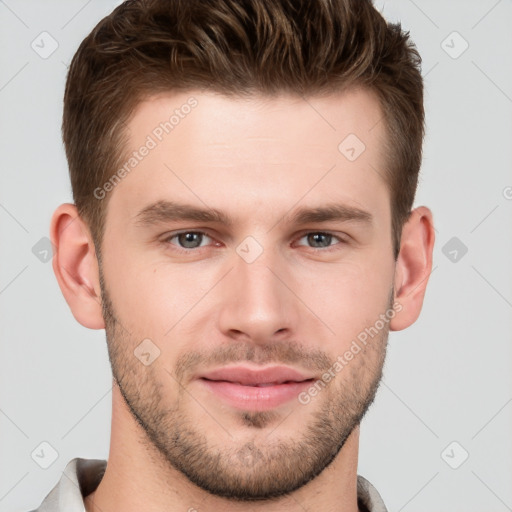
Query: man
x=243 y=176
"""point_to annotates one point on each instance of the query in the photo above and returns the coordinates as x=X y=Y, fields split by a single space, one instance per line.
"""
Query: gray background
x=447 y=378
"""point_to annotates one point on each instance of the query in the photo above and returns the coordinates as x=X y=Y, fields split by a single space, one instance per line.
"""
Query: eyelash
x=181 y=250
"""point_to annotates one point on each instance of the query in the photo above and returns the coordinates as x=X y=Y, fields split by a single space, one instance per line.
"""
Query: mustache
x=286 y=352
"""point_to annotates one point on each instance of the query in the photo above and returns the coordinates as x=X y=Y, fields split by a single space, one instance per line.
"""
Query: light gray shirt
x=82 y=476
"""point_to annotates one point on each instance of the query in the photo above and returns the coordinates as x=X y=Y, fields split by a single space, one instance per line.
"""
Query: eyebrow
x=168 y=211
x=331 y=212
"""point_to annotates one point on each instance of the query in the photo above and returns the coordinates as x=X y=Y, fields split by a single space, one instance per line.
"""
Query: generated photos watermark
x=356 y=347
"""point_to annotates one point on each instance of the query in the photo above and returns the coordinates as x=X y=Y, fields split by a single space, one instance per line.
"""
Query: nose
x=258 y=302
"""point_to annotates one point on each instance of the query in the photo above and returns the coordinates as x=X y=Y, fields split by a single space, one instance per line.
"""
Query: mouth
x=250 y=389
x=261 y=384
x=250 y=376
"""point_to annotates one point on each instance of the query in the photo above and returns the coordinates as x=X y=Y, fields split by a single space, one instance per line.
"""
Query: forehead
x=230 y=151
x=288 y=119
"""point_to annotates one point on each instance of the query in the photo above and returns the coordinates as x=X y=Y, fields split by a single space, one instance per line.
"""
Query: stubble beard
x=262 y=467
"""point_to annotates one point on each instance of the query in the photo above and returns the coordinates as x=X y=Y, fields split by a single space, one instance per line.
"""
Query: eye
x=187 y=239
x=321 y=240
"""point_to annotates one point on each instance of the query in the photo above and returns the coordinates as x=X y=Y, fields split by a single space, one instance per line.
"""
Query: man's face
x=266 y=289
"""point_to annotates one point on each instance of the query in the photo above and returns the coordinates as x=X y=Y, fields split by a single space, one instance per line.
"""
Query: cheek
x=154 y=299
x=348 y=297
x=135 y=290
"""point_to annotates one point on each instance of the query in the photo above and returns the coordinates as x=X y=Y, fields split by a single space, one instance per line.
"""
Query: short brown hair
x=303 y=47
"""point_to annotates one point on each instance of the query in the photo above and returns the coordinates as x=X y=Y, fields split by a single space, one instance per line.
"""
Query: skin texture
x=302 y=302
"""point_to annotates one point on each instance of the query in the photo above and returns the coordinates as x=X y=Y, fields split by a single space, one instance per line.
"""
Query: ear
x=413 y=267
x=76 y=266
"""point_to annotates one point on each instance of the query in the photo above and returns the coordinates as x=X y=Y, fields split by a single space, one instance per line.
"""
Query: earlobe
x=76 y=266
x=413 y=267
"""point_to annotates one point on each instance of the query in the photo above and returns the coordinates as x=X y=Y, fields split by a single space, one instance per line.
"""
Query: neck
x=137 y=478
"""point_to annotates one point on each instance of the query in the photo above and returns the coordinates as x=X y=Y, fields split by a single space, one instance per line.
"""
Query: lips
x=253 y=389
x=258 y=378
